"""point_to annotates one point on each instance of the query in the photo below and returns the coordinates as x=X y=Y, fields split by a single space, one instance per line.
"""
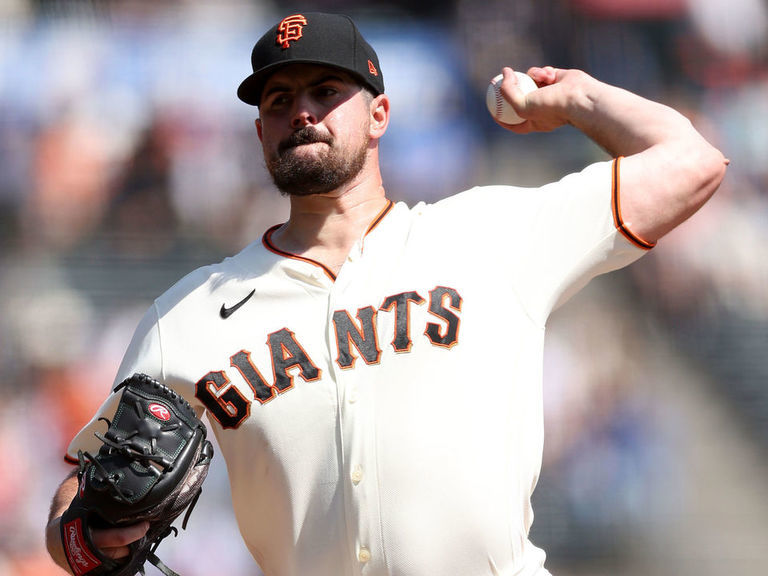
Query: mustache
x=306 y=135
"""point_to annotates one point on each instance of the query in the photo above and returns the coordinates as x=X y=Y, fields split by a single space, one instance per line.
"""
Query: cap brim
x=251 y=88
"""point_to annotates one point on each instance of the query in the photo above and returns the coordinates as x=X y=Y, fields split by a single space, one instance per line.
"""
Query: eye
x=326 y=91
x=281 y=100
x=277 y=100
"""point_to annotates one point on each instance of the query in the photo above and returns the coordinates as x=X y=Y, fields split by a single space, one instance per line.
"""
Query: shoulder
x=208 y=281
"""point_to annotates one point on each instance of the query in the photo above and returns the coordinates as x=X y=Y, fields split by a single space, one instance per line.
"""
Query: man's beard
x=304 y=175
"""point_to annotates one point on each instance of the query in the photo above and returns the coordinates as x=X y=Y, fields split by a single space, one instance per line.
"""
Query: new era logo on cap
x=312 y=38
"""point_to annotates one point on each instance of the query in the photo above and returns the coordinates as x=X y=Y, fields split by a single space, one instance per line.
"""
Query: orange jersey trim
x=267 y=241
x=616 y=203
x=269 y=245
x=380 y=217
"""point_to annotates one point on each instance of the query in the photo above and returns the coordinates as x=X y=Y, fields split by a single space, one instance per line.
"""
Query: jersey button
x=357 y=475
x=364 y=555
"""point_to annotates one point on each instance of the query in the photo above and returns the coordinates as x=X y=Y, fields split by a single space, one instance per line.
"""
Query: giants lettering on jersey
x=355 y=338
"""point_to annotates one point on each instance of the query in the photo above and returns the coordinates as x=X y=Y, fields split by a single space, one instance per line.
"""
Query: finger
x=509 y=74
x=510 y=88
x=116 y=553
x=118 y=538
x=543 y=76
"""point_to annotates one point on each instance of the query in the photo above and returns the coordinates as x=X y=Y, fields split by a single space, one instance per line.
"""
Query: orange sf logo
x=290 y=29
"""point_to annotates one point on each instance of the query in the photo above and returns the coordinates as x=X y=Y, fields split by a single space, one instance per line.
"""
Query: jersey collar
x=270 y=245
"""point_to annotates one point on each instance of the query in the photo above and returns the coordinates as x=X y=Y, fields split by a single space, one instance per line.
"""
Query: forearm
x=64 y=495
x=624 y=123
x=669 y=170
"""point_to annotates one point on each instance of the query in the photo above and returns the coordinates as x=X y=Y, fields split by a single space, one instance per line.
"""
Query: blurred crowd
x=126 y=161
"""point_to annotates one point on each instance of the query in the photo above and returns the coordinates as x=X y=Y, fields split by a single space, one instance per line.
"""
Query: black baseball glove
x=151 y=466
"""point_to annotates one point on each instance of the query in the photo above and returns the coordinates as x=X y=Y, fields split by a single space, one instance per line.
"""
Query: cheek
x=346 y=126
x=268 y=138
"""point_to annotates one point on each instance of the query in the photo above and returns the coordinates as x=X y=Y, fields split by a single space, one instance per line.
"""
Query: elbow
x=716 y=165
x=707 y=170
x=702 y=168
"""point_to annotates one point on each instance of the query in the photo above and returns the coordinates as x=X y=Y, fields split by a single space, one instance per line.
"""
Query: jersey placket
x=356 y=427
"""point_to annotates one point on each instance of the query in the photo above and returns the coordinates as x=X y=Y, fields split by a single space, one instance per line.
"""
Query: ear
x=258 y=129
x=379 y=116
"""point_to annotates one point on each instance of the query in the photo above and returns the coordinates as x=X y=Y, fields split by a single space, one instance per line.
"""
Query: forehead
x=306 y=74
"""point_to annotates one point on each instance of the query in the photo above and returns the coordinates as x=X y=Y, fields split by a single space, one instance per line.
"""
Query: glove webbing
x=157 y=563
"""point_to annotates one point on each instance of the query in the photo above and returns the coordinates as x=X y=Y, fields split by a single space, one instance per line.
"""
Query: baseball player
x=373 y=371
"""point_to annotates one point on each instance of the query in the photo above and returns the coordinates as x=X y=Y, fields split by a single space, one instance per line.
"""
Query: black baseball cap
x=312 y=38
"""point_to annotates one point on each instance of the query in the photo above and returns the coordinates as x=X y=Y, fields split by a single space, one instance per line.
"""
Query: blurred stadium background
x=126 y=161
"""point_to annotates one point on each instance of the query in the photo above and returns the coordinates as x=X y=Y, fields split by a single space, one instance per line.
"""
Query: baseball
x=499 y=108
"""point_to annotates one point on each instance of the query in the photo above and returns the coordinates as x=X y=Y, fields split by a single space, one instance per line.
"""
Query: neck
x=324 y=227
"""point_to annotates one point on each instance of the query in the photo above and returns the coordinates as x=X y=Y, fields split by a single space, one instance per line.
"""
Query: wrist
x=583 y=100
x=54 y=545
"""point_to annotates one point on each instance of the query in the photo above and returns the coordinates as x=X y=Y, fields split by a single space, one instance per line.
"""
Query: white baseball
x=497 y=105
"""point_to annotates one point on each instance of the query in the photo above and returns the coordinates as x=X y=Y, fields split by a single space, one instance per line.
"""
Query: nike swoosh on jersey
x=227 y=312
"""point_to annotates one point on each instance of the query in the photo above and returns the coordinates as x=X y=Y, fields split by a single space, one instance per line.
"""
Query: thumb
x=106 y=538
x=512 y=91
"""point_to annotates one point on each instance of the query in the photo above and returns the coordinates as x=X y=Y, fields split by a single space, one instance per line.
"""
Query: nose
x=303 y=114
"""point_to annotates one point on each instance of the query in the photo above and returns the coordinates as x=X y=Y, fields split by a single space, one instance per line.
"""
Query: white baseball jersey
x=387 y=420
